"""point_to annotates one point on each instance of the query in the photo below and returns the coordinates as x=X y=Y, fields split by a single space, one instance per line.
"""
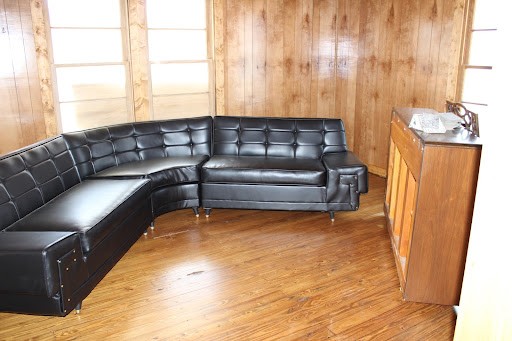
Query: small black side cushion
x=91 y=209
x=164 y=171
x=345 y=163
x=28 y=261
x=263 y=170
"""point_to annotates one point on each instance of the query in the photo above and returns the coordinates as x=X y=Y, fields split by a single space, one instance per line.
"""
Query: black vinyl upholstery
x=97 y=149
x=32 y=176
x=292 y=155
x=71 y=206
x=168 y=153
x=278 y=137
x=264 y=170
x=89 y=209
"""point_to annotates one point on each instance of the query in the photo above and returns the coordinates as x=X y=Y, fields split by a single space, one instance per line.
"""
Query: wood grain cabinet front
x=429 y=201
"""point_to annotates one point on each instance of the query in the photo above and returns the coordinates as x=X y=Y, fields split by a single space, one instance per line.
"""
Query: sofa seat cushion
x=162 y=171
x=263 y=170
x=92 y=209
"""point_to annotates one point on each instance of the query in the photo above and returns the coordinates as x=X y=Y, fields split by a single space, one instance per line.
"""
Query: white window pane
x=476 y=108
x=176 y=13
x=86 y=46
x=179 y=78
x=90 y=82
x=84 y=13
x=176 y=45
x=477 y=86
x=90 y=114
x=485 y=14
x=483 y=43
x=175 y=106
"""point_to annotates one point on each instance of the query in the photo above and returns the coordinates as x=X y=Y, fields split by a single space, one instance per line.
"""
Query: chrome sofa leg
x=152 y=225
x=78 y=308
x=196 y=211
x=146 y=232
x=207 y=212
x=331 y=215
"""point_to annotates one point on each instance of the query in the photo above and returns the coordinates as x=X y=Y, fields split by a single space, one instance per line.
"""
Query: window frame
x=126 y=63
x=210 y=61
x=466 y=48
x=138 y=84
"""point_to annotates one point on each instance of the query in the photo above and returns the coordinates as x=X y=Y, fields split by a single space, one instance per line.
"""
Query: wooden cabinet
x=429 y=207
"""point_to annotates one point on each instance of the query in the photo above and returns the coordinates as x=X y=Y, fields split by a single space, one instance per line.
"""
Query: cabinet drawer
x=409 y=145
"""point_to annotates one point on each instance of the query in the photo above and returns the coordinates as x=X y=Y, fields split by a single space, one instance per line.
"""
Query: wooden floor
x=251 y=275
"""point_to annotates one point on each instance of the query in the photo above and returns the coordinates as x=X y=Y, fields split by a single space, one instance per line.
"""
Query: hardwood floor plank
x=251 y=275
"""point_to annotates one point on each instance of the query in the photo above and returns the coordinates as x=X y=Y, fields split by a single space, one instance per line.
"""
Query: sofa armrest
x=33 y=262
x=347 y=163
x=347 y=177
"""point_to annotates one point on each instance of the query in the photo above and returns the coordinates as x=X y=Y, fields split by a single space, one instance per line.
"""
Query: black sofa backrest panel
x=32 y=176
x=101 y=148
x=279 y=137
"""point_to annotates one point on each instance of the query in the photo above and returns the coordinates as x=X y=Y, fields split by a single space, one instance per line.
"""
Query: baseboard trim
x=382 y=172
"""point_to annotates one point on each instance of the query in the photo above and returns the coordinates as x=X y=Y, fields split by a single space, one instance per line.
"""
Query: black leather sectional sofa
x=71 y=206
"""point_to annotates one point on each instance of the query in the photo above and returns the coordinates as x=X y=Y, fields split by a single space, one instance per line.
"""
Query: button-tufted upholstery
x=71 y=206
x=169 y=153
x=97 y=149
x=33 y=176
x=274 y=137
x=281 y=163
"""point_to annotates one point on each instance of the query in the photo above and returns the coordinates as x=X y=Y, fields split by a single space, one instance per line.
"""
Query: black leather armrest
x=29 y=261
x=345 y=164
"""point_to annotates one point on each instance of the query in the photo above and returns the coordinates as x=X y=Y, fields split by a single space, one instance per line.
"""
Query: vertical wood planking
x=16 y=46
x=315 y=60
x=347 y=59
x=35 y=113
x=219 y=28
x=305 y=57
x=234 y=50
x=437 y=14
x=41 y=43
x=381 y=65
x=454 y=55
x=140 y=59
x=346 y=64
x=327 y=12
x=385 y=75
x=21 y=115
x=248 y=58
x=12 y=135
x=259 y=66
x=284 y=58
x=366 y=112
x=427 y=13
x=275 y=58
x=291 y=42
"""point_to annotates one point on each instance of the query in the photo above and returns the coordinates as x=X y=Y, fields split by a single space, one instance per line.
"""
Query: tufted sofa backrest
x=100 y=148
x=279 y=137
x=32 y=176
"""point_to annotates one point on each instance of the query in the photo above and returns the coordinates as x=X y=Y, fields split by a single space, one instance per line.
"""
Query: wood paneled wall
x=21 y=118
x=349 y=59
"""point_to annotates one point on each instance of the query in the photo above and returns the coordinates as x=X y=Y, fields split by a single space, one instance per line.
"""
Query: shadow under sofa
x=71 y=206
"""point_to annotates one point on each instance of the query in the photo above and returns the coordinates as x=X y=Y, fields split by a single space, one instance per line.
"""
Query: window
x=179 y=57
x=479 y=57
x=91 y=63
x=90 y=67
